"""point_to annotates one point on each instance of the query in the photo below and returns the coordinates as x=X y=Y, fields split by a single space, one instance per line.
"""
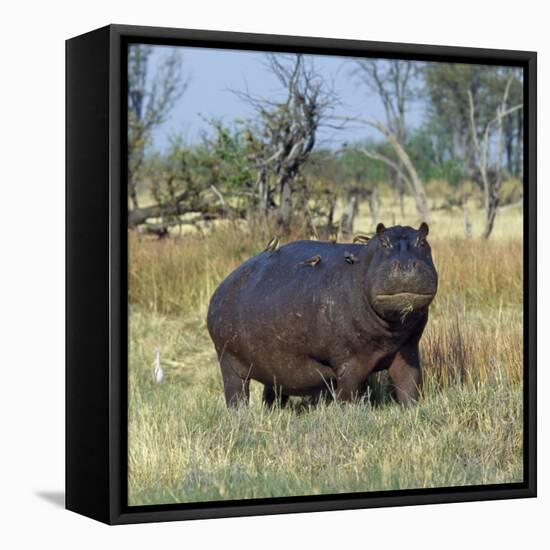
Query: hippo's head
x=401 y=276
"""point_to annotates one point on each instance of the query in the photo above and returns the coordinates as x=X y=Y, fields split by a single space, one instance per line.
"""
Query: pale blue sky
x=213 y=73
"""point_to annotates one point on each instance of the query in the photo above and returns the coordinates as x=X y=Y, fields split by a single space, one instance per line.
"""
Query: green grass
x=185 y=446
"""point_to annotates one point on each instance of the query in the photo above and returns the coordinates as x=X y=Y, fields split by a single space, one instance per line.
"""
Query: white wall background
x=32 y=272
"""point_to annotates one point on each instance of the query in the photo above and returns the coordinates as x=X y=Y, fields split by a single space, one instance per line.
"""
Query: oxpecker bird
x=272 y=245
x=361 y=239
x=313 y=261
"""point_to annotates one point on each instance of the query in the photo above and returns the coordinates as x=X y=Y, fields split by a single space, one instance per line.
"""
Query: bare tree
x=404 y=167
x=150 y=100
x=491 y=183
x=286 y=129
x=392 y=80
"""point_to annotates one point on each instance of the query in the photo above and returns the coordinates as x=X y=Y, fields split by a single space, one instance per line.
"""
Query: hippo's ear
x=424 y=230
x=380 y=228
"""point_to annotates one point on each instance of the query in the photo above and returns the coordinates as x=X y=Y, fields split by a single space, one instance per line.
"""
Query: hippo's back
x=274 y=292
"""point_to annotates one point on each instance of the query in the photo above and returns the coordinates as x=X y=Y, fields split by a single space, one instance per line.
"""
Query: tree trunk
x=492 y=196
x=178 y=206
x=374 y=203
x=348 y=217
x=490 y=215
x=401 y=192
x=518 y=160
x=467 y=224
x=416 y=183
x=285 y=206
x=399 y=186
x=132 y=193
x=263 y=192
x=420 y=200
x=508 y=131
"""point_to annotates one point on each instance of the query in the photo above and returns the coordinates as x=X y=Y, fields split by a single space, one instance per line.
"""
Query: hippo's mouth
x=402 y=303
x=405 y=296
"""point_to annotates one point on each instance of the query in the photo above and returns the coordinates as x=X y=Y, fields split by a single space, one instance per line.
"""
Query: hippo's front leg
x=406 y=375
x=350 y=376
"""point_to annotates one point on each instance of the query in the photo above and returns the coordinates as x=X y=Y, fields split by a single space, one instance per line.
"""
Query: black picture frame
x=96 y=271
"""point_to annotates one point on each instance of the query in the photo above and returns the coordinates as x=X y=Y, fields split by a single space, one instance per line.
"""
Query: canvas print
x=325 y=274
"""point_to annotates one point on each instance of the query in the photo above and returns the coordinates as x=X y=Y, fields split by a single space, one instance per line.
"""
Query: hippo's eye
x=385 y=243
x=420 y=243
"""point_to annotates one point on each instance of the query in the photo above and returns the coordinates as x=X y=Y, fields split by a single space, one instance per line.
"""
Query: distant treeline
x=270 y=167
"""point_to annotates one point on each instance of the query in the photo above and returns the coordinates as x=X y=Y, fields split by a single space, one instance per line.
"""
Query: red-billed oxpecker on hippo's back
x=313 y=315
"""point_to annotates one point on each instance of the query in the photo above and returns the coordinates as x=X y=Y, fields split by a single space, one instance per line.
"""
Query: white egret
x=158 y=373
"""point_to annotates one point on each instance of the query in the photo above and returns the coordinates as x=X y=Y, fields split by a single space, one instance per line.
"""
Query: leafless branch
x=404 y=166
x=491 y=187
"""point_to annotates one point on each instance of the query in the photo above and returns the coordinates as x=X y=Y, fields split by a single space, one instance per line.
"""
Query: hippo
x=311 y=316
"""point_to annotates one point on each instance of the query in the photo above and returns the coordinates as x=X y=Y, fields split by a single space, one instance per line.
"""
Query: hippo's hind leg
x=236 y=380
x=273 y=395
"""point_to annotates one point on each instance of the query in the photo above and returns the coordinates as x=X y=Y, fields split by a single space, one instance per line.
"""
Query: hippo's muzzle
x=404 y=299
x=403 y=287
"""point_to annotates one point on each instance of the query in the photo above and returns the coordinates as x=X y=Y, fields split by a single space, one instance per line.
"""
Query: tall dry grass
x=174 y=276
